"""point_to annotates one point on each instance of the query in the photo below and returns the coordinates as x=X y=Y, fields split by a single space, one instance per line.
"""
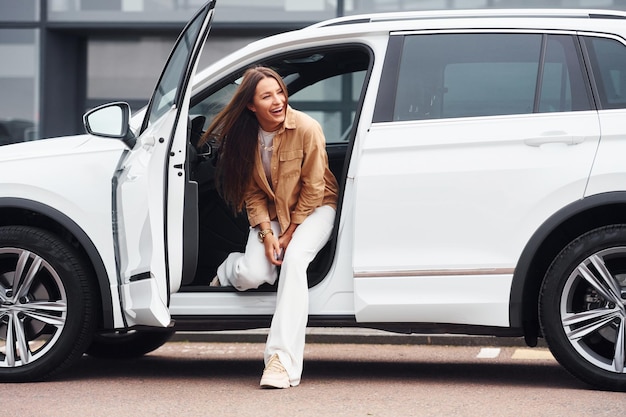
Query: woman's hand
x=273 y=250
x=285 y=238
x=275 y=247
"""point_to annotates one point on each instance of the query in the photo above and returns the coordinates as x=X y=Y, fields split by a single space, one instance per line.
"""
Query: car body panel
x=484 y=186
x=149 y=189
x=608 y=171
x=41 y=176
x=143 y=185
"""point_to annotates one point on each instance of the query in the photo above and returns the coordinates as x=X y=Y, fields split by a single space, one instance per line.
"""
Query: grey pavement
x=353 y=335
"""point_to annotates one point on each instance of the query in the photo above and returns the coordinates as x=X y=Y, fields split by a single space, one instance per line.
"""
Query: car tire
x=48 y=304
x=127 y=344
x=582 y=307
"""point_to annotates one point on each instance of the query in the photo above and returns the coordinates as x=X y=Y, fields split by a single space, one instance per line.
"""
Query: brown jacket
x=301 y=179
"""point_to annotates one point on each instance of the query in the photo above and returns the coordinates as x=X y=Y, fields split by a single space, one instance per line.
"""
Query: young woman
x=273 y=162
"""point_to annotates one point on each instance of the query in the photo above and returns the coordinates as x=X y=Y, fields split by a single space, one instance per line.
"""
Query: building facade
x=59 y=58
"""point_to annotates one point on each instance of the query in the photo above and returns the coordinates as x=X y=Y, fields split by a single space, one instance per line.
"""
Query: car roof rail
x=470 y=13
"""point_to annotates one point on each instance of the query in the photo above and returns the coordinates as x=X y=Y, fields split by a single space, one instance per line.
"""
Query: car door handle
x=554 y=137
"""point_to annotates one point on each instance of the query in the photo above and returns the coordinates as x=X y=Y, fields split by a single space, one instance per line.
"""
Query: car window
x=563 y=87
x=608 y=61
x=211 y=105
x=325 y=84
x=332 y=102
x=465 y=75
x=166 y=91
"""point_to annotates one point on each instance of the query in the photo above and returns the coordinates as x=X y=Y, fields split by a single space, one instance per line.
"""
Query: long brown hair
x=236 y=128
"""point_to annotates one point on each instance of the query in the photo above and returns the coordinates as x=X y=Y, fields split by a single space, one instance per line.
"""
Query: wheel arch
x=24 y=212
x=554 y=234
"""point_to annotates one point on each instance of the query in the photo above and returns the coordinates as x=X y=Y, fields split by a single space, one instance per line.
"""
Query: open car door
x=149 y=188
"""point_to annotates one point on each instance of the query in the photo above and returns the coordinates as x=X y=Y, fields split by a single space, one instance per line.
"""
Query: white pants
x=252 y=268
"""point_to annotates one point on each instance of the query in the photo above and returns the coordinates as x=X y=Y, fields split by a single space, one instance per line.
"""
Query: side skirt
x=243 y=322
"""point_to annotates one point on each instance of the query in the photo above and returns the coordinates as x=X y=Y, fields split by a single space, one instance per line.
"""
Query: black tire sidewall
x=79 y=287
x=549 y=305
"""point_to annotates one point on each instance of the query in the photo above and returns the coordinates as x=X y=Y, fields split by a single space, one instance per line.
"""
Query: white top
x=266 y=146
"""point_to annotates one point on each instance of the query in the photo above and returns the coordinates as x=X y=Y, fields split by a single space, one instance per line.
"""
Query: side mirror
x=110 y=121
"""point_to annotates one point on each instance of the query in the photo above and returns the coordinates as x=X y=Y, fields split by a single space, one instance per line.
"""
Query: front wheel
x=47 y=304
x=583 y=307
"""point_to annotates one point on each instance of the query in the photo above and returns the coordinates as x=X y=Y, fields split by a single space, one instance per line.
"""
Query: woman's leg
x=287 y=332
x=250 y=269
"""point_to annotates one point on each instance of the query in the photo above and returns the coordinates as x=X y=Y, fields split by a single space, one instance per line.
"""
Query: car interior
x=328 y=85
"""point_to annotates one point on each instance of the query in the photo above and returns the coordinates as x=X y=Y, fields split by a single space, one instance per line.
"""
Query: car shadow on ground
x=537 y=375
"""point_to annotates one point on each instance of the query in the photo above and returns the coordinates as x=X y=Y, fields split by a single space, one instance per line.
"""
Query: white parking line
x=538 y=354
x=488 y=353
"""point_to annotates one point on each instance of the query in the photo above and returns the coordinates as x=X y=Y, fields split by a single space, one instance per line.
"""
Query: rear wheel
x=127 y=344
x=583 y=307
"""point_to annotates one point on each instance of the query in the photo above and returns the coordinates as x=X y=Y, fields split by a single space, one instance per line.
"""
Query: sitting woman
x=273 y=162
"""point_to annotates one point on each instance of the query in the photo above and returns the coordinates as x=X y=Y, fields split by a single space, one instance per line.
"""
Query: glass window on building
x=182 y=10
x=19 y=10
x=128 y=69
x=276 y=10
x=125 y=69
x=19 y=80
x=374 y=6
x=122 y=10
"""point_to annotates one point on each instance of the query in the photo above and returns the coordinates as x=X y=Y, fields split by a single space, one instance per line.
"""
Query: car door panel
x=471 y=140
x=416 y=172
x=607 y=59
x=150 y=185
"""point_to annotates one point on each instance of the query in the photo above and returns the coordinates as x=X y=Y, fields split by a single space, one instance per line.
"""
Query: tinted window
x=608 y=60
x=166 y=92
x=563 y=87
x=333 y=102
x=465 y=75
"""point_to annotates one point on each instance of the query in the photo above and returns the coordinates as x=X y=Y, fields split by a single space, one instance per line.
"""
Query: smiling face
x=269 y=104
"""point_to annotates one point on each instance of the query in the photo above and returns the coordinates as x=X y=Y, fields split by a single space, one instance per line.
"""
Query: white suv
x=481 y=161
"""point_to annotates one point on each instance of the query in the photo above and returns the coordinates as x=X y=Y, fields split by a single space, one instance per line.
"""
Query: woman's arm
x=256 y=205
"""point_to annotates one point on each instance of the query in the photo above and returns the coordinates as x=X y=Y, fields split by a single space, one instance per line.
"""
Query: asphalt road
x=221 y=379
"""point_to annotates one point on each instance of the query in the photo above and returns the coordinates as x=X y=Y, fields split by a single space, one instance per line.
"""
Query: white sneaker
x=275 y=374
